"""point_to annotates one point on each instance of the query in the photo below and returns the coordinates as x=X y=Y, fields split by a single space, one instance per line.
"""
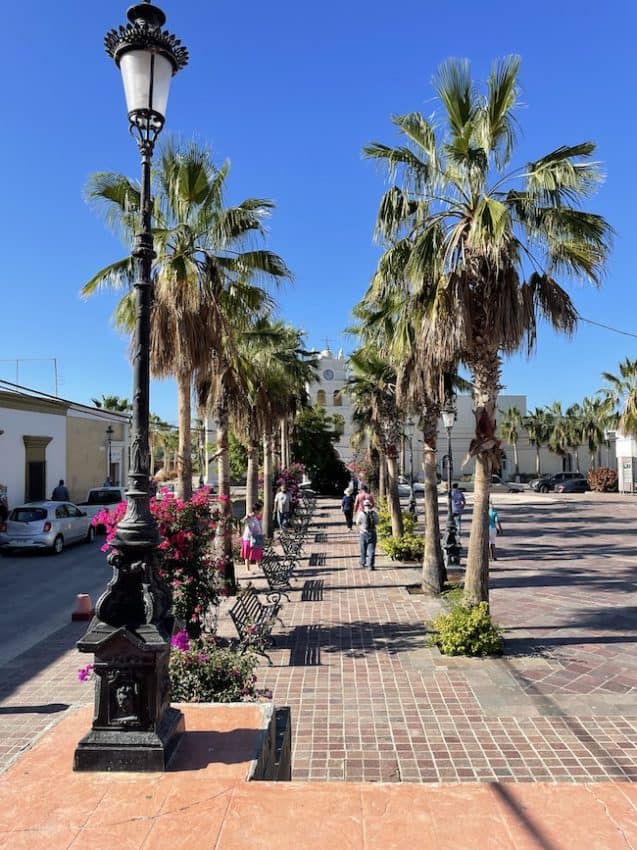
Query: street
x=38 y=592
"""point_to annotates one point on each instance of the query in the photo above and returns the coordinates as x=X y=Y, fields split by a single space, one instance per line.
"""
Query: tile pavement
x=371 y=702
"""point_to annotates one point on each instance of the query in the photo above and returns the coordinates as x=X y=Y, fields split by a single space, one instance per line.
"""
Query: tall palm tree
x=203 y=261
x=510 y=430
x=621 y=394
x=372 y=387
x=113 y=402
x=596 y=418
x=537 y=425
x=483 y=246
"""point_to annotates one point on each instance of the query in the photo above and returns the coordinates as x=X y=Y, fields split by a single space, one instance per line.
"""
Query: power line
x=607 y=327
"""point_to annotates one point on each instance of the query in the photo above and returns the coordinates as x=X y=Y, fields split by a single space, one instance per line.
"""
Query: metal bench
x=254 y=620
x=278 y=572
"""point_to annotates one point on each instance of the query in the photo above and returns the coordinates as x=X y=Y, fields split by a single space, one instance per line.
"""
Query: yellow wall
x=86 y=454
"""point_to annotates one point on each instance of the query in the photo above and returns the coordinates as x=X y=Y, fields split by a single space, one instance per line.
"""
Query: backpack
x=371 y=521
x=348 y=503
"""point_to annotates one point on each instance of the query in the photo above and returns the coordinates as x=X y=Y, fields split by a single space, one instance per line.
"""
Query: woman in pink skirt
x=252 y=538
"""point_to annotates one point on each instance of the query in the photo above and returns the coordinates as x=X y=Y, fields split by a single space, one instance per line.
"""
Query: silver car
x=45 y=525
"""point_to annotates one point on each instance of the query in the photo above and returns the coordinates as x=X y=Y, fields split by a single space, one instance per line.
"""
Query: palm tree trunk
x=184 y=452
x=223 y=540
x=486 y=379
x=537 y=461
x=267 y=485
x=434 y=573
x=516 y=461
x=382 y=476
x=393 y=499
x=252 y=476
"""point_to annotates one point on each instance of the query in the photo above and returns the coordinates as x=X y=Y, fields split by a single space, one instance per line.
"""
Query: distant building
x=329 y=392
x=44 y=439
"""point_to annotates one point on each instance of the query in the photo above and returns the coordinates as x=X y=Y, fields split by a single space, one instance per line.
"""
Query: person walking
x=347 y=506
x=366 y=522
x=495 y=528
x=60 y=493
x=363 y=495
x=252 y=539
x=282 y=507
x=458 y=503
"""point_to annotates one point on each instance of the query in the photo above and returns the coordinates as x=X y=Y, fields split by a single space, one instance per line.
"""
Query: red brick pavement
x=371 y=702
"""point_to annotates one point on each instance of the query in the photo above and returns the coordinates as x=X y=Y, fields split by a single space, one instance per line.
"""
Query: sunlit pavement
x=510 y=752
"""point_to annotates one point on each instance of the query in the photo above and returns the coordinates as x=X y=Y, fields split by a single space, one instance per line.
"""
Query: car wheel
x=90 y=534
x=58 y=545
x=543 y=489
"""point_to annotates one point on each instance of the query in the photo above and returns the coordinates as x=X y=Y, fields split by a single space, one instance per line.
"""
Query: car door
x=78 y=524
x=62 y=523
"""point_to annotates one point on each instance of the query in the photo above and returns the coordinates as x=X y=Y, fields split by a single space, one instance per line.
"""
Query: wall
x=87 y=451
x=36 y=419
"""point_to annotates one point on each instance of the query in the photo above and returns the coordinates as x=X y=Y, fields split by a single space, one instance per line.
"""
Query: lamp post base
x=451 y=547
x=118 y=750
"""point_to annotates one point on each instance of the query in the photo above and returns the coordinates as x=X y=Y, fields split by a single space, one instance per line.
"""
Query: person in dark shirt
x=60 y=493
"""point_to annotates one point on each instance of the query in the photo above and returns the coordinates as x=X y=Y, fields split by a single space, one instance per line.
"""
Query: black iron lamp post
x=134 y=727
x=412 y=495
x=450 y=544
x=109 y=442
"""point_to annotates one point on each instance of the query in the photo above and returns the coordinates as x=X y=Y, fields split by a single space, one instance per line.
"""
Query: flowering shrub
x=205 y=671
x=292 y=477
x=189 y=566
x=603 y=480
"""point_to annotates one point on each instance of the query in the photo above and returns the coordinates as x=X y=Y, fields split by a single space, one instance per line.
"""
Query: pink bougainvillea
x=188 y=564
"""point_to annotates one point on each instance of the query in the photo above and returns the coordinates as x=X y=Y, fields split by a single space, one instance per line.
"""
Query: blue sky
x=290 y=93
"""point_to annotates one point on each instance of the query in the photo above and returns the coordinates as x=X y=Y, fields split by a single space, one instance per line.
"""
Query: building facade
x=45 y=439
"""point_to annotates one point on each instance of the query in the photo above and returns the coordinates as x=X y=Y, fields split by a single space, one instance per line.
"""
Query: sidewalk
x=371 y=703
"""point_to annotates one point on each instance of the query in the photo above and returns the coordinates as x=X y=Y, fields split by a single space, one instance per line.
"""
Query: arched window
x=320 y=398
x=338 y=398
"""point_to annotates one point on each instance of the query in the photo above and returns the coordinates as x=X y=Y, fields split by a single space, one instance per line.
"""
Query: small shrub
x=467 y=631
x=384 y=521
x=406 y=548
x=203 y=670
x=603 y=480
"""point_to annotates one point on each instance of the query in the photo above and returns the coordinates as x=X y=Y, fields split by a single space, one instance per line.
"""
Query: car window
x=72 y=510
x=61 y=512
x=27 y=514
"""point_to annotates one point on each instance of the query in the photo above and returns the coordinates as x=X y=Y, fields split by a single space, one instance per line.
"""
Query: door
x=36 y=480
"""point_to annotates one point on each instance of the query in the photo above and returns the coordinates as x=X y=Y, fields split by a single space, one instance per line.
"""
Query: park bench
x=254 y=620
x=278 y=572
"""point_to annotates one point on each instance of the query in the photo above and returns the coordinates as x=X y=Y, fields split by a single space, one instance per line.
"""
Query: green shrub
x=203 y=670
x=384 y=522
x=603 y=480
x=406 y=548
x=467 y=631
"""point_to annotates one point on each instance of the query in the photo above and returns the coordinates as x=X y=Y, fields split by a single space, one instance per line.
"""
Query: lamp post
x=109 y=441
x=450 y=545
x=412 y=496
x=134 y=727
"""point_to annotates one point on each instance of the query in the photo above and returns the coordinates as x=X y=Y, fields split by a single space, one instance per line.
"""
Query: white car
x=45 y=525
x=404 y=490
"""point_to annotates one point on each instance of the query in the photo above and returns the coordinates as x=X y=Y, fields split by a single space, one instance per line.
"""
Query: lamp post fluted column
x=134 y=727
x=450 y=546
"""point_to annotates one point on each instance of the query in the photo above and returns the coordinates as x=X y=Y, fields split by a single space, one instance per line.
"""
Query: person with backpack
x=347 y=506
x=458 y=503
x=366 y=522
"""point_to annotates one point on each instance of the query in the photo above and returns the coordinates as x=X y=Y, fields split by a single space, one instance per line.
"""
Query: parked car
x=573 y=485
x=500 y=486
x=404 y=490
x=45 y=525
x=99 y=498
x=547 y=483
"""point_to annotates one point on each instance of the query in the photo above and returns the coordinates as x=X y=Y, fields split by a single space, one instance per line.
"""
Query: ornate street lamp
x=450 y=545
x=109 y=442
x=134 y=727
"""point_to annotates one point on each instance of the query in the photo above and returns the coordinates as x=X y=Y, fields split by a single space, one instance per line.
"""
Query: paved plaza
x=371 y=702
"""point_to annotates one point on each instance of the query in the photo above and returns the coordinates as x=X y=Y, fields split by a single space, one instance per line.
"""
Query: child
x=495 y=528
x=252 y=538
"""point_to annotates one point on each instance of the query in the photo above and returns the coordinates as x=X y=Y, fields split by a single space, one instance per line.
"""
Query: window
x=320 y=398
x=27 y=515
x=61 y=512
x=73 y=511
x=338 y=398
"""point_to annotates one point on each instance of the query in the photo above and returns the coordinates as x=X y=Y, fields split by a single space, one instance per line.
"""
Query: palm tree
x=559 y=436
x=510 y=429
x=372 y=387
x=482 y=246
x=113 y=402
x=595 y=421
x=202 y=263
x=621 y=395
x=537 y=425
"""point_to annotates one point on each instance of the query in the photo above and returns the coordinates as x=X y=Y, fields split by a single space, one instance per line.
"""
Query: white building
x=44 y=440
x=329 y=392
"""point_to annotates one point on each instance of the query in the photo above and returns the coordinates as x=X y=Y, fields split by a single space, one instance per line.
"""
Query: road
x=38 y=592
